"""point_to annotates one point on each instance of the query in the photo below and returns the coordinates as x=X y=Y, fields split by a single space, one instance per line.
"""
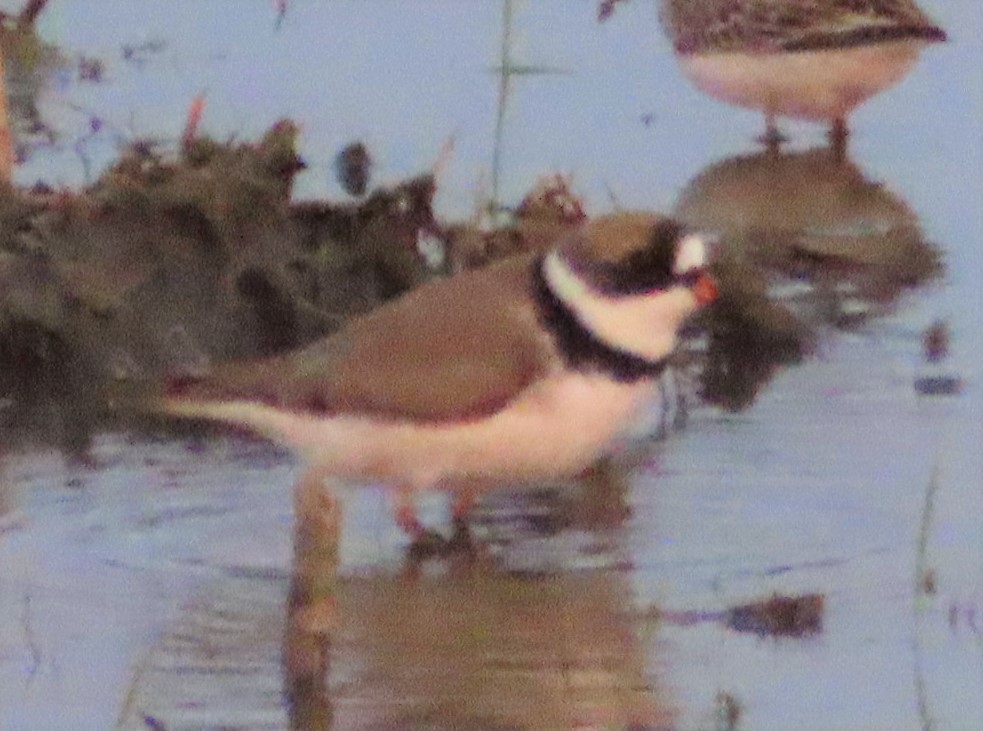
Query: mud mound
x=167 y=263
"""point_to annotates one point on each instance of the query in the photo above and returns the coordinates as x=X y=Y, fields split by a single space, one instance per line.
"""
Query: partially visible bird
x=810 y=59
x=523 y=371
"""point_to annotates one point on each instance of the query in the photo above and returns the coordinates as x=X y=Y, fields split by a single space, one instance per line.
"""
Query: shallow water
x=159 y=589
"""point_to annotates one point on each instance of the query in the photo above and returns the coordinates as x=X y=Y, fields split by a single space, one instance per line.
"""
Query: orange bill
x=705 y=289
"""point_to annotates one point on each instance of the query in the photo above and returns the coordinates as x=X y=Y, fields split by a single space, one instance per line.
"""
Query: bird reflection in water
x=312 y=606
x=808 y=241
x=466 y=646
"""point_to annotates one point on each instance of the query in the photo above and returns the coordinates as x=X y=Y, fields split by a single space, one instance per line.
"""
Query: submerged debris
x=935 y=342
x=779 y=616
x=728 y=712
x=934 y=379
x=606 y=9
x=938 y=385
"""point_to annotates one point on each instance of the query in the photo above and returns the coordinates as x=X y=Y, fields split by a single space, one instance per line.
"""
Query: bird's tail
x=232 y=395
x=163 y=399
x=135 y=396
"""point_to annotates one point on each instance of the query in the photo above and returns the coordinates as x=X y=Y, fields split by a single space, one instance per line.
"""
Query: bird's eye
x=691 y=253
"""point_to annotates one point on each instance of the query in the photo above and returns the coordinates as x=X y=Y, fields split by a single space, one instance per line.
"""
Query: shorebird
x=522 y=371
x=810 y=59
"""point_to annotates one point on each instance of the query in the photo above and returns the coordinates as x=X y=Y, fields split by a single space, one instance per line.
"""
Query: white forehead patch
x=691 y=253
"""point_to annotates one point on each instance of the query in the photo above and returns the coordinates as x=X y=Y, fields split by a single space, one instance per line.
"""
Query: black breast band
x=580 y=348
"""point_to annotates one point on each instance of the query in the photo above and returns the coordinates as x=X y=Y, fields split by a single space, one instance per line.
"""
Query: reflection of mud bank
x=165 y=265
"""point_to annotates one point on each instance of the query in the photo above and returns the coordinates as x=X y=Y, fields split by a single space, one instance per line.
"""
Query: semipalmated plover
x=522 y=371
x=810 y=59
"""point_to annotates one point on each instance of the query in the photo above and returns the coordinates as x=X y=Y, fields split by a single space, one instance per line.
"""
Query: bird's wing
x=846 y=23
x=449 y=350
x=778 y=25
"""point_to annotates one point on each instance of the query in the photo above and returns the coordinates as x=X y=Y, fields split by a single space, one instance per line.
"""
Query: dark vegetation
x=164 y=265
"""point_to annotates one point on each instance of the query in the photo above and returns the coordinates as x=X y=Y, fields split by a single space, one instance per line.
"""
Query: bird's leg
x=839 y=133
x=678 y=411
x=603 y=503
x=317 y=507
x=461 y=505
x=663 y=430
x=312 y=609
x=424 y=543
x=772 y=138
x=317 y=536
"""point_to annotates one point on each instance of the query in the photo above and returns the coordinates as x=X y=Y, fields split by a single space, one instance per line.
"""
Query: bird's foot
x=773 y=139
x=429 y=544
x=838 y=135
x=461 y=541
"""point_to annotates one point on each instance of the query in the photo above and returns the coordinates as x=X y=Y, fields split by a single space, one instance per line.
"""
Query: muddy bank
x=171 y=262
x=167 y=264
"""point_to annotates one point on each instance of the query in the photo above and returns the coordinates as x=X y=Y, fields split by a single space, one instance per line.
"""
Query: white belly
x=556 y=428
x=817 y=85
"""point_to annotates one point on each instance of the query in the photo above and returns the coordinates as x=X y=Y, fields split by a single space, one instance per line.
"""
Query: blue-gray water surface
x=152 y=590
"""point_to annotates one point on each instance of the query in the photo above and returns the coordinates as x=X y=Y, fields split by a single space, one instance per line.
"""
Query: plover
x=522 y=371
x=810 y=59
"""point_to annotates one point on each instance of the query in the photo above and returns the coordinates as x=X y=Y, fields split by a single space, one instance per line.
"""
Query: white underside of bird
x=815 y=85
x=556 y=428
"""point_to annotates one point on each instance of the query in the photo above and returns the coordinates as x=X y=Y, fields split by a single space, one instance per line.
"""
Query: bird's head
x=632 y=279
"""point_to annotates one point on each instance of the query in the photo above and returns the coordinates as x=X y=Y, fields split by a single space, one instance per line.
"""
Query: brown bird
x=809 y=59
x=523 y=371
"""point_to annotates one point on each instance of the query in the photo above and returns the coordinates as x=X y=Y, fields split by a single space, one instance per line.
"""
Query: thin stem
x=504 y=82
x=925 y=530
x=921 y=587
x=30 y=12
x=839 y=134
x=6 y=140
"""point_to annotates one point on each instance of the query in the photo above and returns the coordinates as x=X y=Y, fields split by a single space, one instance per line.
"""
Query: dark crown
x=637 y=266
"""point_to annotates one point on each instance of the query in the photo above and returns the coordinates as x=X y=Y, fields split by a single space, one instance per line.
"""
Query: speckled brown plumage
x=709 y=26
